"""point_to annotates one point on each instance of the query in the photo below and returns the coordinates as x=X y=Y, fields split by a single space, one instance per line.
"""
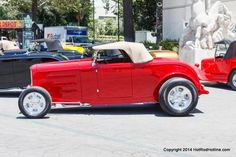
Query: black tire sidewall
x=168 y=86
x=41 y=91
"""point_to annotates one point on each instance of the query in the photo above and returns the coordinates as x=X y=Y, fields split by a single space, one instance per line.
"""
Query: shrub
x=171 y=45
x=151 y=46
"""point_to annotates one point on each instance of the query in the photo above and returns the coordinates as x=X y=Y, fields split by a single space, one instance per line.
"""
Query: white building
x=176 y=15
x=101 y=12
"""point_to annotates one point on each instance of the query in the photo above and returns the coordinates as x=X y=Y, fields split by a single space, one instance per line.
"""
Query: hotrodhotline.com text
x=196 y=150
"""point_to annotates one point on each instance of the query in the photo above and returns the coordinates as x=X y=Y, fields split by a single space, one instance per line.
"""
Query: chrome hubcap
x=180 y=98
x=234 y=80
x=34 y=103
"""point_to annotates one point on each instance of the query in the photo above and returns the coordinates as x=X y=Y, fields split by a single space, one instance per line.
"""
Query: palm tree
x=129 y=33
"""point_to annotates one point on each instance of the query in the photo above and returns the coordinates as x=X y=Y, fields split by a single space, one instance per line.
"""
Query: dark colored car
x=54 y=46
x=15 y=66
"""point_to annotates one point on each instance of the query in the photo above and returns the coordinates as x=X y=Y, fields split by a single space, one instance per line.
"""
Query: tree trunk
x=129 y=33
x=79 y=16
x=34 y=10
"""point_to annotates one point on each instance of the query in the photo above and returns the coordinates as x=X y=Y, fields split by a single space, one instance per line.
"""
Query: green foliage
x=14 y=9
x=108 y=38
x=50 y=16
x=79 y=9
x=50 y=12
x=3 y=13
x=145 y=14
x=171 y=45
x=107 y=27
x=151 y=46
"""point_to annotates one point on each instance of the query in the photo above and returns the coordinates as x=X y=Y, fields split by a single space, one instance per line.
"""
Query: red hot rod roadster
x=221 y=68
x=118 y=73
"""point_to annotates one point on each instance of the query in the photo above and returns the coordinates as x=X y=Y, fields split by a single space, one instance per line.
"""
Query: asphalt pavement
x=137 y=131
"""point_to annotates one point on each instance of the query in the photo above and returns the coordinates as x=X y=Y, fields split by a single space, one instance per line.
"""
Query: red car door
x=222 y=69
x=114 y=75
x=115 y=80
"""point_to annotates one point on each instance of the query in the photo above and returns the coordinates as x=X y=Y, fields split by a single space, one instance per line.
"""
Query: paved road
x=121 y=131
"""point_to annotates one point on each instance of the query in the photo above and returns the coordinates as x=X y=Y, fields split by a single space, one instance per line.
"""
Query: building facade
x=176 y=15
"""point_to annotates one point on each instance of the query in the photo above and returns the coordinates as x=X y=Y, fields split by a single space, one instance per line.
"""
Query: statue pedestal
x=195 y=56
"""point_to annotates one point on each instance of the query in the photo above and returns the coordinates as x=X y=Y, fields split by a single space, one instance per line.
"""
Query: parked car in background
x=15 y=66
x=3 y=38
x=221 y=68
x=6 y=44
x=55 y=46
x=71 y=47
x=118 y=73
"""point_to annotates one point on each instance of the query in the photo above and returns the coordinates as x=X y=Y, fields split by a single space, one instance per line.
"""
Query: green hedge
x=171 y=45
x=101 y=38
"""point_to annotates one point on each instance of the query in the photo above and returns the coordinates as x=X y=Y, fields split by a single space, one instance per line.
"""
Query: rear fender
x=195 y=81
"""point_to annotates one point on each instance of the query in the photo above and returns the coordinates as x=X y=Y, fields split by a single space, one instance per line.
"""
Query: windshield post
x=94 y=59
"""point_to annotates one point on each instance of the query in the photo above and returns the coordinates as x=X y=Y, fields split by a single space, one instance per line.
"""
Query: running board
x=59 y=105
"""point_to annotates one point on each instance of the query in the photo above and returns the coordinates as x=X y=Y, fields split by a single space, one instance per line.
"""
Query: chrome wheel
x=234 y=80
x=34 y=103
x=180 y=98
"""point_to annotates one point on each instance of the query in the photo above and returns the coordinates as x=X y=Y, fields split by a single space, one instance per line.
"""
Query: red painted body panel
x=117 y=83
x=217 y=69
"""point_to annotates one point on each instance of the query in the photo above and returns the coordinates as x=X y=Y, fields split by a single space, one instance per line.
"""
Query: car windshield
x=221 y=49
x=81 y=40
x=38 y=46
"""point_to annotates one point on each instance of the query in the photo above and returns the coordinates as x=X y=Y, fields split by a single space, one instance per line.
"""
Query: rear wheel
x=178 y=97
x=232 y=80
x=34 y=102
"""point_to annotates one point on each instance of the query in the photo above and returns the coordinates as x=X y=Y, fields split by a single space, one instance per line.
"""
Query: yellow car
x=73 y=48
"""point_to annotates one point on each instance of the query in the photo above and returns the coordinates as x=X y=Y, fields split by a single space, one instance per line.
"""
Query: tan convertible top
x=136 y=51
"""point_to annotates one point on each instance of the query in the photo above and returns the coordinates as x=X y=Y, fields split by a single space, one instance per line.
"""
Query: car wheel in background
x=178 y=97
x=232 y=80
x=34 y=102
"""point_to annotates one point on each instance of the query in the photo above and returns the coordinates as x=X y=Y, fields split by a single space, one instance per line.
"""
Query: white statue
x=208 y=24
x=208 y=5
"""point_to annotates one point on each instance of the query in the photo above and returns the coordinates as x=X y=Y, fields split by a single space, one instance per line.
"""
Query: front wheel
x=178 y=97
x=232 y=80
x=34 y=102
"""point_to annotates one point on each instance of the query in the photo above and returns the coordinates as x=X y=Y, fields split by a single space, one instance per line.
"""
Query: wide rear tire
x=178 y=96
x=34 y=102
x=232 y=80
